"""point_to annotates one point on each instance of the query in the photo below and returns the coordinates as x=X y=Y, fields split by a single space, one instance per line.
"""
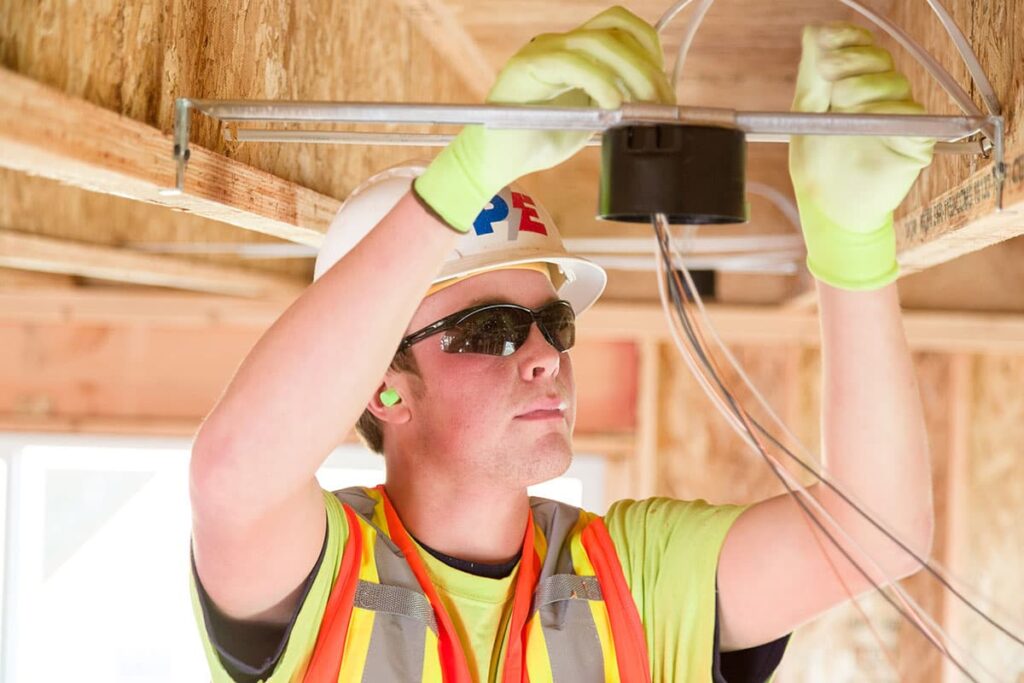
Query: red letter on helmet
x=528 y=218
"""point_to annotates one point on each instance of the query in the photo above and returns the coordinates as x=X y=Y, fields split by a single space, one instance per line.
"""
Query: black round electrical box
x=692 y=174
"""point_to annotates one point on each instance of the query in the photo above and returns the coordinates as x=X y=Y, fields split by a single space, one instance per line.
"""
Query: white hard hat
x=513 y=229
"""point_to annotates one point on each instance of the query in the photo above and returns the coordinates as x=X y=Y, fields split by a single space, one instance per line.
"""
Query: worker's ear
x=387 y=405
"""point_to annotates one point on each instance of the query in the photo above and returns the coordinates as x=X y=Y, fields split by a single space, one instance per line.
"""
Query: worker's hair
x=369 y=428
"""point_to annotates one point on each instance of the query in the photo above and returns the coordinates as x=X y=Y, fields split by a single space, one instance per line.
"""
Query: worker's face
x=467 y=414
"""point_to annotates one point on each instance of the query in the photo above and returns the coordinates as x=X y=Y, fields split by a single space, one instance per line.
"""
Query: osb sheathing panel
x=994 y=556
x=136 y=58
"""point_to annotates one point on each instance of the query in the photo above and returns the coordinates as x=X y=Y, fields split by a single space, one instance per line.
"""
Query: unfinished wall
x=700 y=457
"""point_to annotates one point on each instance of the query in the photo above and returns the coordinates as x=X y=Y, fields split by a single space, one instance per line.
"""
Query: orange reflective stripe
x=627 y=631
x=454 y=668
x=325 y=663
x=529 y=564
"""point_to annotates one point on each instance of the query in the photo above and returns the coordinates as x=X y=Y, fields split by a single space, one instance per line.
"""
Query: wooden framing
x=941 y=331
x=46 y=133
x=49 y=255
x=50 y=134
x=438 y=24
x=647 y=409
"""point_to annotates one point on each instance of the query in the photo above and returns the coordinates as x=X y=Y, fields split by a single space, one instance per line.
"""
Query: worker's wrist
x=848 y=259
x=430 y=210
x=454 y=184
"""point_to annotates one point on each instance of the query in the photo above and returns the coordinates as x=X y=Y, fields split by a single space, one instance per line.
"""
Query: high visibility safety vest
x=573 y=619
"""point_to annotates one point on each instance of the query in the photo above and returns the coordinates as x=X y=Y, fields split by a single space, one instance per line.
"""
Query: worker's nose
x=537 y=357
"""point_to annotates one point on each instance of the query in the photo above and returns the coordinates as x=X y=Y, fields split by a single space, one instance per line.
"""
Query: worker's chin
x=551 y=456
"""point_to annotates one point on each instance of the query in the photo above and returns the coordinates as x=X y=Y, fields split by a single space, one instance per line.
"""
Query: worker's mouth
x=542 y=415
x=548 y=409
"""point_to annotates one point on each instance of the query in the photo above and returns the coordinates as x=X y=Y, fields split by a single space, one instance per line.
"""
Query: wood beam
x=964 y=218
x=46 y=133
x=941 y=331
x=440 y=26
x=46 y=254
x=645 y=459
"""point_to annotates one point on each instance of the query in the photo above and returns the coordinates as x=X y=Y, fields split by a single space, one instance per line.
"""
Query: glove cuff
x=451 y=185
x=845 y=258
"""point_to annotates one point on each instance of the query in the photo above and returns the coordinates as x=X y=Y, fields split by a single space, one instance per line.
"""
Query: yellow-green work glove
x=613 y=58
x=847 y=187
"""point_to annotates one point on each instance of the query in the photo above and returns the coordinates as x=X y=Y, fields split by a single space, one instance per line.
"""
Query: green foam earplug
x=389 y=397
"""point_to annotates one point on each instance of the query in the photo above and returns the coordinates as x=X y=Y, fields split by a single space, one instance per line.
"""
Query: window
x=97 y=561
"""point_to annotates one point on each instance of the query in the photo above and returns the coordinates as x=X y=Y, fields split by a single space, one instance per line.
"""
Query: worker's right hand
x=613 y=58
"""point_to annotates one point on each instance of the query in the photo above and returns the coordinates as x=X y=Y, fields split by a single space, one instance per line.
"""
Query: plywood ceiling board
x=136 y=58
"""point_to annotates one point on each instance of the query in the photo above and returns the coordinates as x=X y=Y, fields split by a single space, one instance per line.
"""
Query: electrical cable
x=737 y=411
x=670 y=14
x=968 y=105
x=931 y=568
x=687 y=41
x=970 y=59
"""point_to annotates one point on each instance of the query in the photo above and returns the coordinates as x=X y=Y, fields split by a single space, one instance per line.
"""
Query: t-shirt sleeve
x=669 y=552
x=242 y=652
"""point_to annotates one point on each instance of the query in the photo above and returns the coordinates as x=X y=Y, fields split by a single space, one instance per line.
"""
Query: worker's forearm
x=307 y=380
x=873 y=432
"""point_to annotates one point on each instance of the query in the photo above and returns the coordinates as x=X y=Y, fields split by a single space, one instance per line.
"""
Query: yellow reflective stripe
x=603 y=624
x=431 y=659
x=368 y=561
x=540 y=544
x=580 y=562
x=357 y=645
x=360 y=625
x=538 y=664
x=379 y=517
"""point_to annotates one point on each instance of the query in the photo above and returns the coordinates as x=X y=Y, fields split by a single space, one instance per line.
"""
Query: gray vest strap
x=380 y=597
x=566 y=587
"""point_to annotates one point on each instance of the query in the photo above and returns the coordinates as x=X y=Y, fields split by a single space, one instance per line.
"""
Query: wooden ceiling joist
x=49 y=255
x=46 y=133
x=439 y=25
x=965 y=218
x=940 y=331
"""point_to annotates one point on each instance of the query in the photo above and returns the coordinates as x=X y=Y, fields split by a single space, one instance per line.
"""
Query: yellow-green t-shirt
x=669 y=554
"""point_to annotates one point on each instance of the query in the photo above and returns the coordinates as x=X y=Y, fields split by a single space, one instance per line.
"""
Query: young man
x=449 y=571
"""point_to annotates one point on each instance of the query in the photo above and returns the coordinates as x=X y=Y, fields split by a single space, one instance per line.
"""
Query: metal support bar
x=759 y=126
x=981 y=146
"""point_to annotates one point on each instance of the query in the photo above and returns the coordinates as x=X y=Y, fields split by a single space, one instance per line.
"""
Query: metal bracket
x=758 y=126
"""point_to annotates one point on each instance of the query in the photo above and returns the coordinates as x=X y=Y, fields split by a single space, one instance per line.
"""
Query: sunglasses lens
x=494 y=331
x=558 y=321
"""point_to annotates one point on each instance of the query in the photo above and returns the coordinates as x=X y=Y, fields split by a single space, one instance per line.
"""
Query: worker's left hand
x=847 y=187
x=613 y=58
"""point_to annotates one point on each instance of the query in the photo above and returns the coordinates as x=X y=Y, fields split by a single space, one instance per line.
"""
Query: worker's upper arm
x=288 y=577
x=773 y=574
x=251 y=561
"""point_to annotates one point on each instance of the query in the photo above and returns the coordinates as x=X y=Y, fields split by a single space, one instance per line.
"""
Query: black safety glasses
x=500 y=329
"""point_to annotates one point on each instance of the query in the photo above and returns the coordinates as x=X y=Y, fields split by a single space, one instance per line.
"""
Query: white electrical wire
x=670 y=14
x=687 y=41
x=970 y=59
x=930 y=64
x=794 y=486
